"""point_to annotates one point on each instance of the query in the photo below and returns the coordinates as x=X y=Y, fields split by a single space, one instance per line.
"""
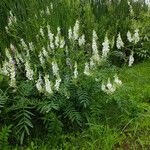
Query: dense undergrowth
x=120 y=121
x=74 y=74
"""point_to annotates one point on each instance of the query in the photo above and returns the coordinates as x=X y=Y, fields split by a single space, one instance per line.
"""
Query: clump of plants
x=59 y=71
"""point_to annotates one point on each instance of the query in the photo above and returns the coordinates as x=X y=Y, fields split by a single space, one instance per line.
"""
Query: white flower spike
x=87 y=69
x=129 y=36
x=55 y=68
x=76 y=30
x=29 y=71
x=136 y=36
x=106 y=48
x=131 y=59
x=57 y=84
x=39 y=84
x=120 y=43
x=117 y=80
x=48 y=86
x=75 y=70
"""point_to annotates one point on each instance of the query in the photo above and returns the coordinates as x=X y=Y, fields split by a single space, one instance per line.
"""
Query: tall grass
x=112 y=16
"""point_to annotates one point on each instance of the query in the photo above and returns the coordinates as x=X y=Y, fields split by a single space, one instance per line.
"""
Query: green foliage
x=3 y=100
x=46 y=106
x=83 y=98
x=26 y=88
x=52 y=123
x=24 y=123
x=72 y=114
x=80 y=115
x=4 y=135
x=101 y=137
x=32 y=147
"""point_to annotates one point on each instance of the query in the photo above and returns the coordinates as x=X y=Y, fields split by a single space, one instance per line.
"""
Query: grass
x=137 y=89
x=132 y=135
x=138 y=77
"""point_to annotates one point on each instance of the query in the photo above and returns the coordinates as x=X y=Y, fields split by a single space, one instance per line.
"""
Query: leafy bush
x=4 y=135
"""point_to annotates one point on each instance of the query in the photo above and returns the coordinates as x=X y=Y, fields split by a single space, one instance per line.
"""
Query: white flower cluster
x=39 y=84
x=54 y=43
x=87 y=69
x=9 y=67
x=81 y=40
x=92 y=64
x=59 y=41
x=48 y=86
x=147 y=2
x=135 y=38
x=106 y=48
x=41 y=58
x=131 y=59
x=18 y=58
x=31 y=47
x=55 y=69
x=8 y=55
x=110 y=88
x=12 y=69
x=120 y=43
x=47 y=11
x=76 y=31
x=62 y=42
x=43 y=54
x=57 y=83
x=117 y=81
x=51 y=37
x=129 y=36
x=51 y=5
x=75 y=70
x=12 y=19
x=95 y=54
x=70 y=34
x=6 y=68
x=24 y=45
x=12 y=76
x=41 y=32
x=57 y=37
x=130 y=9
x=29 y=71
x=73 y=35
